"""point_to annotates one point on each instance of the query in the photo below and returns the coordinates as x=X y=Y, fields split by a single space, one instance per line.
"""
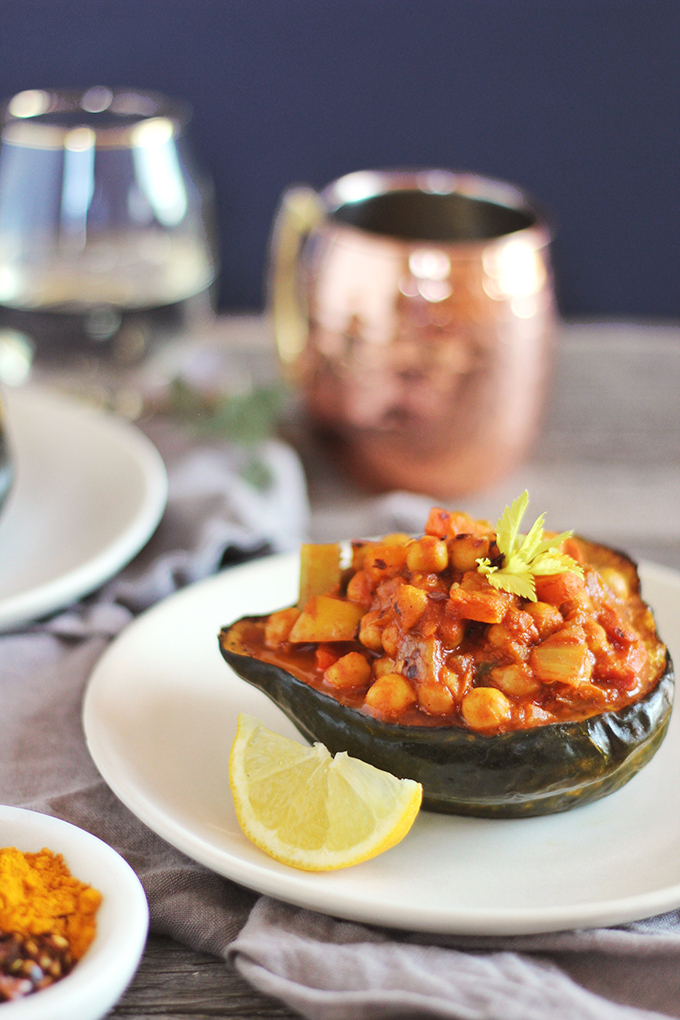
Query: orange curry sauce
x=432 y=643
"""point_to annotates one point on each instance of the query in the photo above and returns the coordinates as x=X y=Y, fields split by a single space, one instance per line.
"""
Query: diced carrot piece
x=559 y=588
x=325 y=656
x=438 y=522
x=479 y=601
x=446 y=523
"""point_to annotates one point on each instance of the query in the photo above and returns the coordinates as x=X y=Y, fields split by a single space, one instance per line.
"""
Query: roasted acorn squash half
x=527 y=771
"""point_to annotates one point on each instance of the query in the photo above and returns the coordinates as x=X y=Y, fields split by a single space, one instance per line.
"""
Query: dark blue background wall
x=576 y=100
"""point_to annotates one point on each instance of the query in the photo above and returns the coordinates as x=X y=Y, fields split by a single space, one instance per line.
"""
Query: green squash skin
x=521 y=774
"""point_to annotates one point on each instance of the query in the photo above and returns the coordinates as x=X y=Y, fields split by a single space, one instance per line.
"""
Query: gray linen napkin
x=319 y=966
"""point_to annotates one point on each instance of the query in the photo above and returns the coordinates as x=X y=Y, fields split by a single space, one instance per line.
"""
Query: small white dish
x=89 y=491
x=99 y=979
x=160 y=715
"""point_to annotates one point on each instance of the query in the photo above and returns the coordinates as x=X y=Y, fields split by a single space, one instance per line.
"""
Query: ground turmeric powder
x=39 y=896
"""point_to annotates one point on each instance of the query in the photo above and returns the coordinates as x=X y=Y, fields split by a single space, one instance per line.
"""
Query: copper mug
x=415 y=312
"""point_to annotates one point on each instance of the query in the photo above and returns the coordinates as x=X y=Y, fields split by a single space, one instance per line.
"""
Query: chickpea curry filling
x=466 y=625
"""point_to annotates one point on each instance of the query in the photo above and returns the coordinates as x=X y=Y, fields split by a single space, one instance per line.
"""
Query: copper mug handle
x=300 y=212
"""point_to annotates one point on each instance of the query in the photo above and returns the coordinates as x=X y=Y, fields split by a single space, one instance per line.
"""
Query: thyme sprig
x=525 y=557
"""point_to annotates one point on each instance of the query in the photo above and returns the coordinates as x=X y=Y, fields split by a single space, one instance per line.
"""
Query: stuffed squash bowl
x=511 y=674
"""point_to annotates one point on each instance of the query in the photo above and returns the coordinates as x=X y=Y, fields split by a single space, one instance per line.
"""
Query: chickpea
x=382 y=666
x=451 y=630
x=435 y=698
x=391 y=695
x=486 y=708
x=547 y=618
x=278 y=627
x=370 y=631
x=351 y=670
x=465 y=550
x=515 y=679
x=359 y=589
x=427 y=555
x=391 y=640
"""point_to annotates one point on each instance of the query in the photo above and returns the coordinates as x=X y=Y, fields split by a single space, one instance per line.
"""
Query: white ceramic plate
x=160 y=716
x=90 y=489
x=104 y=972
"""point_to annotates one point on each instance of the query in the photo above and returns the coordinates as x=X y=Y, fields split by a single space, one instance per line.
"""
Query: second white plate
x=89 y=491
x=160 y=716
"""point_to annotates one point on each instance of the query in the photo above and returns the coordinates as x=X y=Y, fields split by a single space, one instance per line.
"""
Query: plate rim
x=295 y=887
x=81 y=579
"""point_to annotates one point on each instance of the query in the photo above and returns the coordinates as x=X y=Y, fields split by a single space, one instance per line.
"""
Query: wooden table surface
x=607 y=464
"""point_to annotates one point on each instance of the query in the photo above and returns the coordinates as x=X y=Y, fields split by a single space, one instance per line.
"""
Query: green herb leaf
x=525 y=557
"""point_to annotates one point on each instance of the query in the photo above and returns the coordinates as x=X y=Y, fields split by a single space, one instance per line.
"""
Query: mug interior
x=414 y=215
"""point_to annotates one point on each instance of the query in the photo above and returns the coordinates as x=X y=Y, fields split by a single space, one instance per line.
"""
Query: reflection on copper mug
x=415 y=312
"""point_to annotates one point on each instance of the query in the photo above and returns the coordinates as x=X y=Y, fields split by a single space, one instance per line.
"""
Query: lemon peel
x=525 y=557
x=310 y=810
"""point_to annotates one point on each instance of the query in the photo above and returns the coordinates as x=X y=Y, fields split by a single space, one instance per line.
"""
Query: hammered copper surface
x=425 y=357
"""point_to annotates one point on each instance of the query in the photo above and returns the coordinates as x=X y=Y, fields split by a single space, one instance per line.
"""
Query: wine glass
x=107 y=229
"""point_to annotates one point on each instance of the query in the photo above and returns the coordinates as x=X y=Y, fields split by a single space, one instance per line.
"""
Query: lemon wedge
x=311 y=810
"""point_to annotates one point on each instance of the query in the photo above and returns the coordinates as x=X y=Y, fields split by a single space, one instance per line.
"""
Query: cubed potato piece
x=349 y=671
x=410 y=604
x=319 y=571
x=391 y=695
x=326 y=619
x=563 y=657
x=486 y=708
x=615 y=582
x=278 y=626
x=428 y=554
